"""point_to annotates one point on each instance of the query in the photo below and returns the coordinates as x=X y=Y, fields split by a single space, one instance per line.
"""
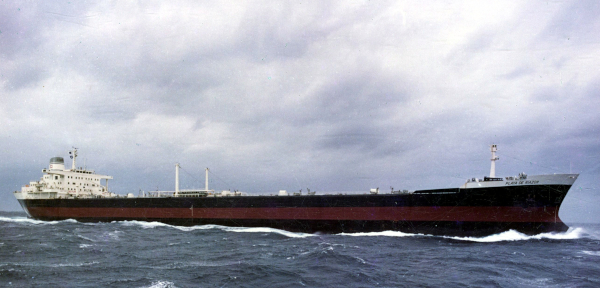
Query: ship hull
x=529 y=209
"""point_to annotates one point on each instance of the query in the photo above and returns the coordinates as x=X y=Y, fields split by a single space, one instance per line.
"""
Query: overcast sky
x=332 y=96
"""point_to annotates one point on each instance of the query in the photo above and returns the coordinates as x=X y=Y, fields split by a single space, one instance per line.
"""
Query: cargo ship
x=526 y=203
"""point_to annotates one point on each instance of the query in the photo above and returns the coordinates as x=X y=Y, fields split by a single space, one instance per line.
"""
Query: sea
x=149 y=254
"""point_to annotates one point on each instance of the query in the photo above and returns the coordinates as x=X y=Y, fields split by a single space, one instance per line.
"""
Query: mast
x=494 y=158
x=206 y=180
x=73 y=155
x=176 y=179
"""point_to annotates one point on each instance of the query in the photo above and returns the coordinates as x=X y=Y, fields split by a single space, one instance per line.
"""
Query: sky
x=327 y=95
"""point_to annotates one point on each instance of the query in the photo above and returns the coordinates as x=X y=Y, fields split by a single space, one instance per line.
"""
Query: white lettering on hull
x=522 y=182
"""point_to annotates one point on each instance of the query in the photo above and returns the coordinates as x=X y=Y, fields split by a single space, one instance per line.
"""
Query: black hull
x=463 y=212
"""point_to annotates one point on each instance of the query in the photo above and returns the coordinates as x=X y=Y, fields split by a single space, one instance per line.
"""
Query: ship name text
x=522 y=182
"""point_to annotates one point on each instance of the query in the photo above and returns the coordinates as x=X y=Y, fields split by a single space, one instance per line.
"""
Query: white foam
x=74 y=264
x=85 y=245
x=593 y=253
x=512 y=235
x=162 y=284
x=152 y=225
x=113 y=235
x=37 y=264
x=145 y=225
x=33 y=221
x=383 y=233
x=266 y=230
x=86 y=238
x=360 y=260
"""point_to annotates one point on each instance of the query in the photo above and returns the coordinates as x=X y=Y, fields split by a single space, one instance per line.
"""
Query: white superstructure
x=59 y=182
x=81 y=183
x=520 y=180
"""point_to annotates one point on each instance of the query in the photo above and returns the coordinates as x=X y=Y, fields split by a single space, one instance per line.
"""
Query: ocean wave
x=86 y=238
x=593 y=253
x=162 y=284
x=197 y=264
x=266 y=230
x=512 y=235
x=114 y=235
x=152 y=225
x=33 y=221
x=143 y=224
x=388 y=233
x=37 y=264
x=75 y=264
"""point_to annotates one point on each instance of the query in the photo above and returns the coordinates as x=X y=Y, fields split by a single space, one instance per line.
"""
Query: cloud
x=295 y=95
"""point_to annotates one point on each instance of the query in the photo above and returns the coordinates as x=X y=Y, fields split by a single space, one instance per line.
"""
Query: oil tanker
x=526 y=203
